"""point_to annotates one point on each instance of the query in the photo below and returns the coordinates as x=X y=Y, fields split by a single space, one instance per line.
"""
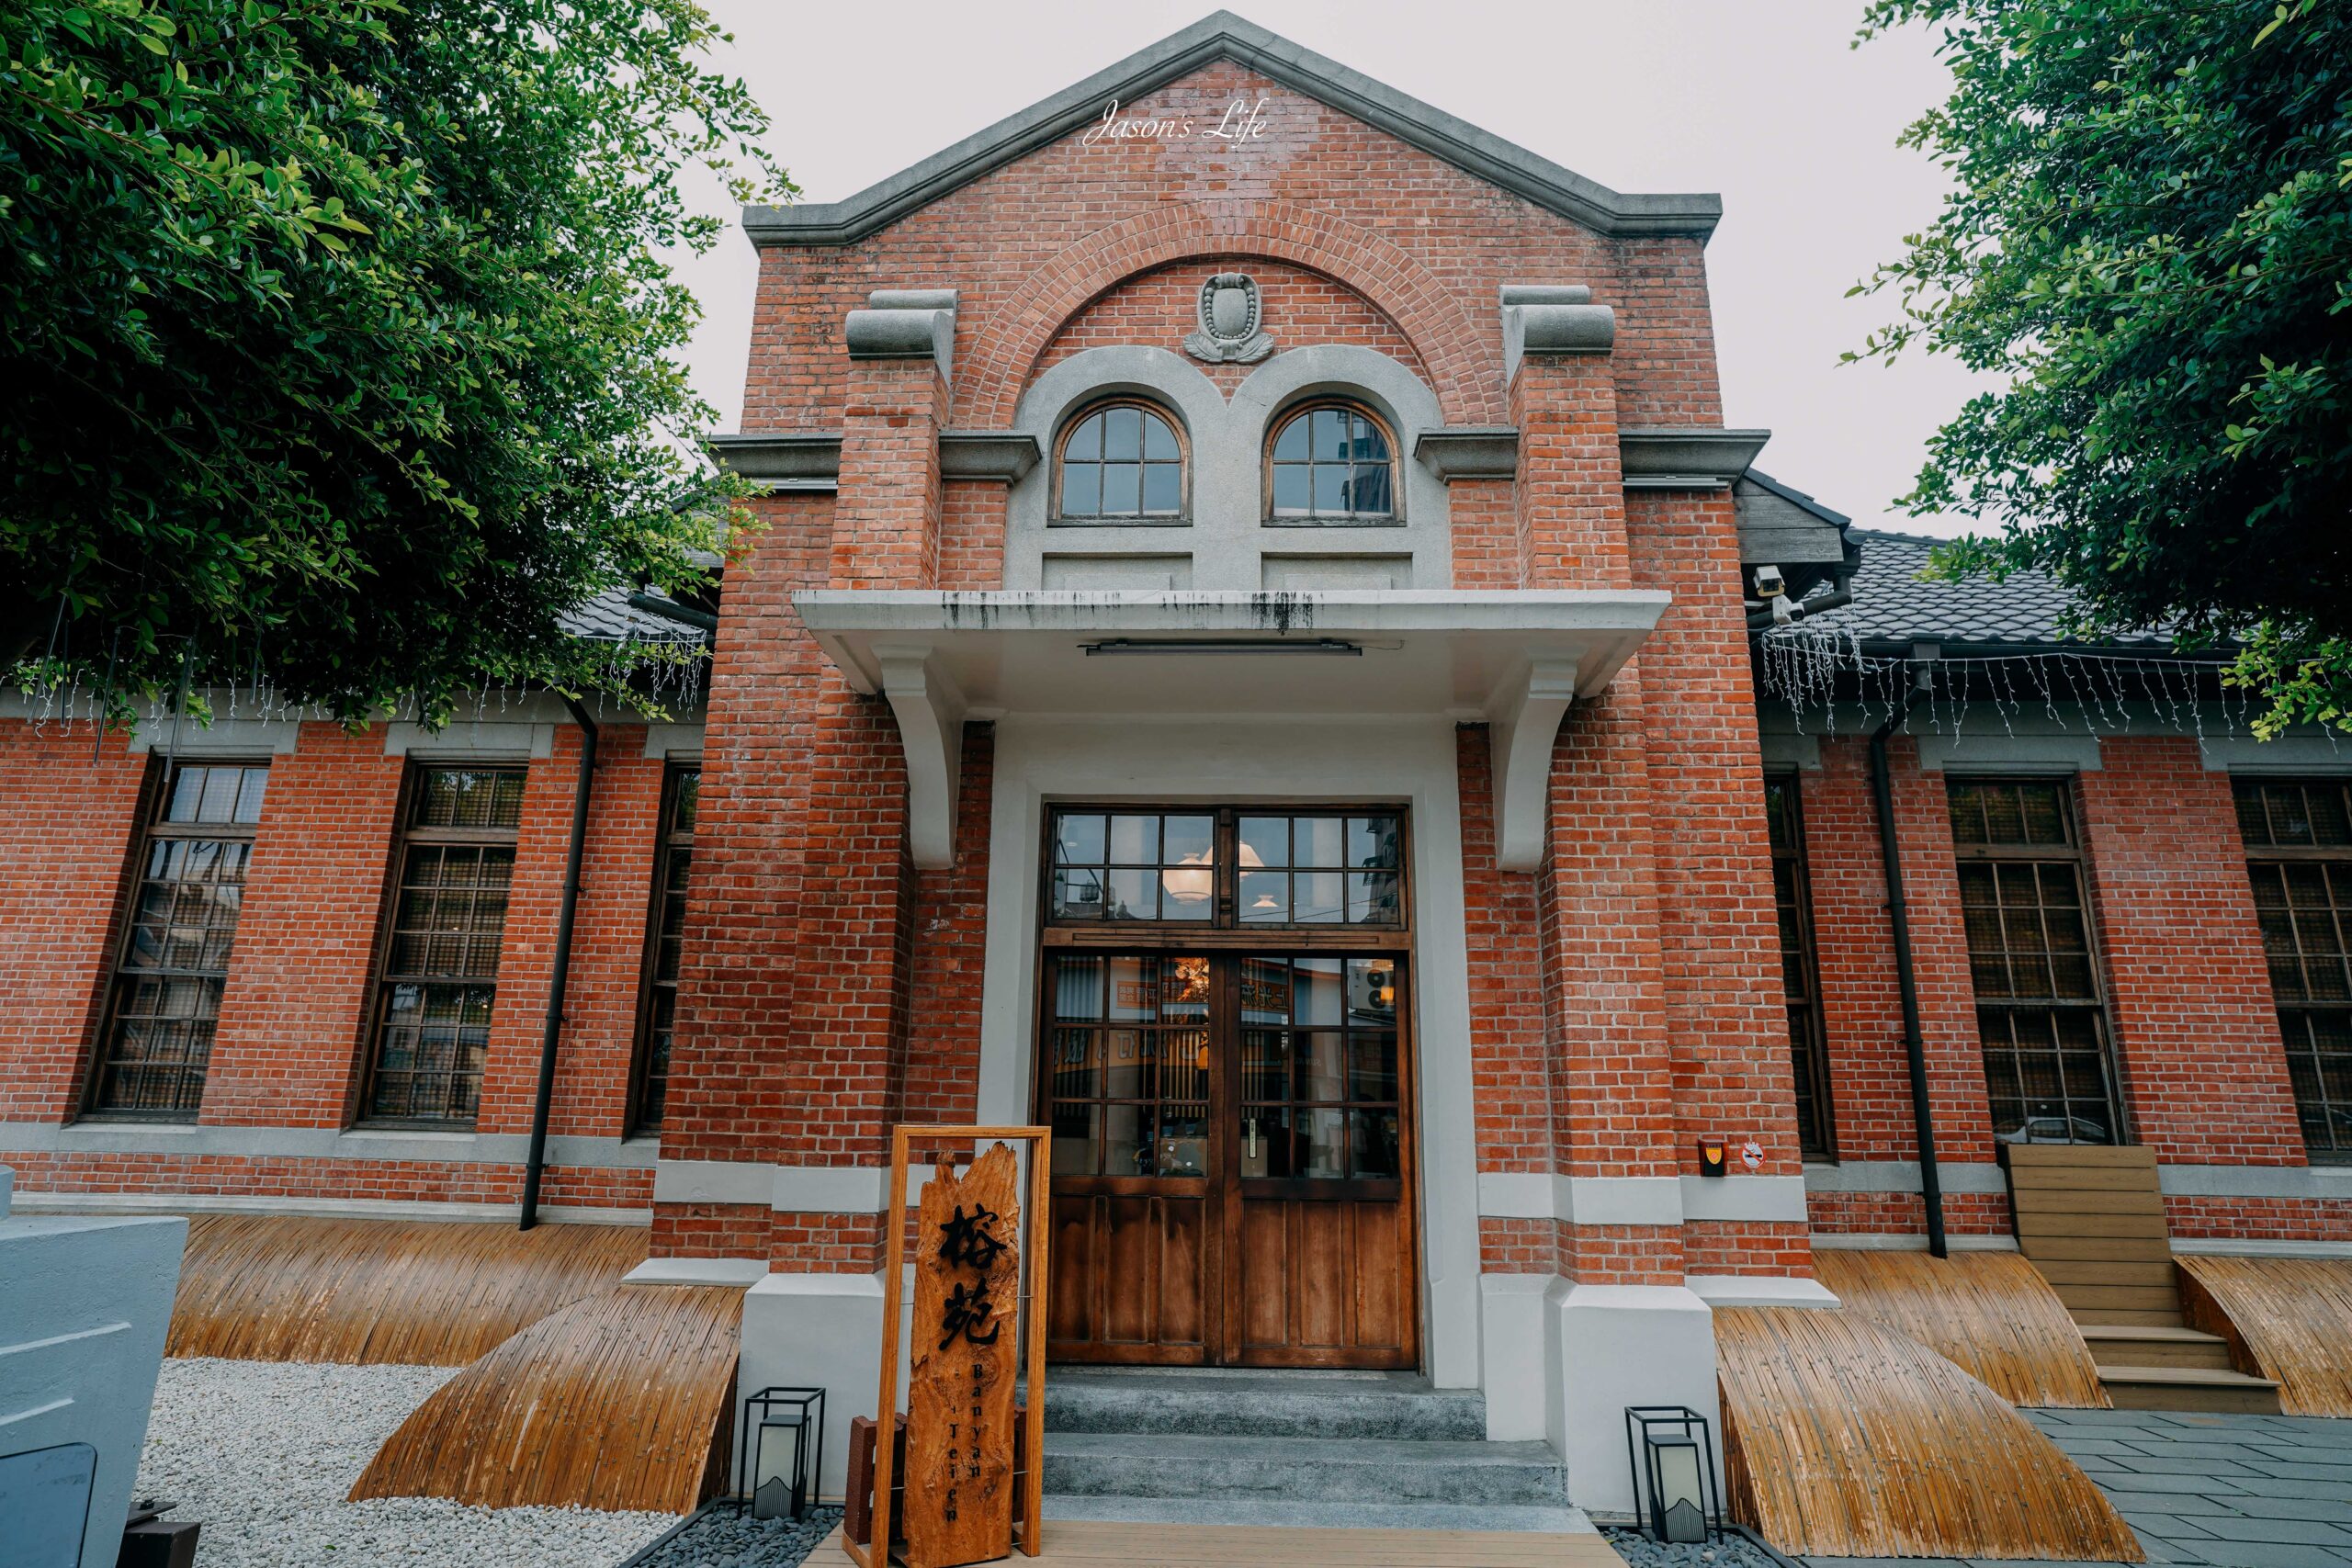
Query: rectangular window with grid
x=1800 y=972
x=657 y=1019
x=174 y=965
x=2041 y=1013
x=2298 y=836
x=440 y=975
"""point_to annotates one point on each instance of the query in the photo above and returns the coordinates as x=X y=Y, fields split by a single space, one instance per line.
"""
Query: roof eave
x=1225 y=35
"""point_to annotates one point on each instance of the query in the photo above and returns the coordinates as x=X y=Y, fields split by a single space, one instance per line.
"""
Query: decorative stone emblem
x=1229 y=334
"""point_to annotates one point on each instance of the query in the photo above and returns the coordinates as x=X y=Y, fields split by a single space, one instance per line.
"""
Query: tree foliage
x=337 y=337
x=2151 y=240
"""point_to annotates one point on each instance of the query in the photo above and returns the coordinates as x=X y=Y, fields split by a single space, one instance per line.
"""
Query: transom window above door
x=1236 y=867
x=1121 y=463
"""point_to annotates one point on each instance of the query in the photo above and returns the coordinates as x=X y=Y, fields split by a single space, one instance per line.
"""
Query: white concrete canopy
x=1511 y=660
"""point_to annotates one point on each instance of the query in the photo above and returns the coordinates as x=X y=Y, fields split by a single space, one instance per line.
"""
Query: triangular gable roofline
x=1224 y=36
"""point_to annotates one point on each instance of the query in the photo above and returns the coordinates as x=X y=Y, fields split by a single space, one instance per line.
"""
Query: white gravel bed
x=263 y=1452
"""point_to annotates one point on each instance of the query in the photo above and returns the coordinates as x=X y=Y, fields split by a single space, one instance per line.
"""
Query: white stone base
x=1760 y=1291
x=817 y=1331
x=1618 y=1345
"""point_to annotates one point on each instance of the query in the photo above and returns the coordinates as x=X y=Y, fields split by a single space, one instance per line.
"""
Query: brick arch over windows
x=1431 y=318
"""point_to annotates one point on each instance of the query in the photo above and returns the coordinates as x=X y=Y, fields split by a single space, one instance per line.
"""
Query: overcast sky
x=1763 y=102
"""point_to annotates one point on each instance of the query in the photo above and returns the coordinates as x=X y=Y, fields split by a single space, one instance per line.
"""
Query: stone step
x=1283 y=1515
x=1218 y=1403
x=1303 y=1470
x=2189 y=1388
x=2126 y=1344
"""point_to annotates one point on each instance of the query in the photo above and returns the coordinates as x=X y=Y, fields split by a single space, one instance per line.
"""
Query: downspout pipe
x=534 y=1162
x=1931 y=1187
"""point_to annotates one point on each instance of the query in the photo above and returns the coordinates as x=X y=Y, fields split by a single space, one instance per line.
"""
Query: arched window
x=1121 y=462
x=1331 y=463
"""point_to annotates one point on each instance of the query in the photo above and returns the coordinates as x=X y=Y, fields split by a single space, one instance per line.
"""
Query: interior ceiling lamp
x=1194 y=880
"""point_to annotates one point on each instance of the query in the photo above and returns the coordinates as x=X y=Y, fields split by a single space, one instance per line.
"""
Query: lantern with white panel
x=1673 y=1453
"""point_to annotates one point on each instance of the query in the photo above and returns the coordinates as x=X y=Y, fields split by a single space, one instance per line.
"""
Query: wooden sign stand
x=1029 y=1506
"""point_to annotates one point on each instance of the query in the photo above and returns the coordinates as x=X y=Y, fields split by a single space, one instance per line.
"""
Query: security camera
x=1769 y=583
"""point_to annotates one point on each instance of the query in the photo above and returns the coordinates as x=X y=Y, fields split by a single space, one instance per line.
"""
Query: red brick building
x=1252 y=657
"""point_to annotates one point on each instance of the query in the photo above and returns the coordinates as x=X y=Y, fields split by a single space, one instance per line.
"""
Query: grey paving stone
x=2162 y=1463
x=2332 y=1510
x=2242 y=1453
x=2258 y=1487
x=2260 y=1554
x=2217 y=1487
x=2172 y=1527
x=2288 y=1470
x=2182 y=1504
x=2308 y=1532
x=2150 y=1419
x=2076 y=1445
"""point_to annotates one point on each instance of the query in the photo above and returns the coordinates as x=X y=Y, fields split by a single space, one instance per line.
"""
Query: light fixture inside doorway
x=1192 y=880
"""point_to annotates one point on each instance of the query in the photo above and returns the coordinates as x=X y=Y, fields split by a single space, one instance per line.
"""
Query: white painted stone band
x=2311 y=1183
x=1896 y=1241
x=320 y=1208
x=1903 y=1176
x=320 y=1142
x=787 y=1189
x=2228 y=1247
x=1640 y=1200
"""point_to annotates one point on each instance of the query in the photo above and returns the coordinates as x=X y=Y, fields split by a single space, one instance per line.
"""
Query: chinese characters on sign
x=959 y=1496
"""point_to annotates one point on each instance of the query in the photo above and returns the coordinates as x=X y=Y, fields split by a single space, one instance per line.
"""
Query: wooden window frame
x=408 y=837
x=1181 y=518
x=2281 y=856
x=1224 y=930
x=1393 y=518
x=155 y=800
x=1813 y=1047
x=667 y=842
x=2074 y=855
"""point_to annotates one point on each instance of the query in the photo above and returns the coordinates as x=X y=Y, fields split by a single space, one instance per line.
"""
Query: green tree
x=2151 y=240
x=337 y=338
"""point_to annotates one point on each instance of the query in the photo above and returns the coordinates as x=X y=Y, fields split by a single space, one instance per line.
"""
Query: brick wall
x=2189 y=988
x=1158 y=309
x=66 y=841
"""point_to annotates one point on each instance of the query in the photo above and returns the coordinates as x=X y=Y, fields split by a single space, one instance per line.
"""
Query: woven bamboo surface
x=2288 y=1319
x=1844 y=1438
x=1990 y=1313
x=622 y=1401
x=283 y=1287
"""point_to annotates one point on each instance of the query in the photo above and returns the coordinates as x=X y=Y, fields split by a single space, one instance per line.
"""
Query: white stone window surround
x=1224 y=530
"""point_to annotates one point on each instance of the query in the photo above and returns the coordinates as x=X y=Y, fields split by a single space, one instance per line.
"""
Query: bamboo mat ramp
x=1085 y=1543
x=1844 y=1438
x=286 y=1288
x=1990 y=1313
x=2288 y=1319
x=622 y=1401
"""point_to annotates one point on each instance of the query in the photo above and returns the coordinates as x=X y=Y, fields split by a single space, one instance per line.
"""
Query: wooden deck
x=1074 y=1543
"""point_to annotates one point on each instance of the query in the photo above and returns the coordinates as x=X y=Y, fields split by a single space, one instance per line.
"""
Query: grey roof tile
x=610 y=618
x=1893 y=604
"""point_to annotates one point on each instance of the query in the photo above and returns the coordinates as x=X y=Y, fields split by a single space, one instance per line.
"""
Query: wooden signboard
x=976 y=1272
x=959 y=1396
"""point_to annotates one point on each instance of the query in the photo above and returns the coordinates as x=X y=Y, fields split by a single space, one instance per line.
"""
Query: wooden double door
x=1233 y=1157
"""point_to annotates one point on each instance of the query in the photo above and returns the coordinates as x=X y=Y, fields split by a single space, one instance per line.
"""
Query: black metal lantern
x=1674 y=1472
x=784 y=1452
